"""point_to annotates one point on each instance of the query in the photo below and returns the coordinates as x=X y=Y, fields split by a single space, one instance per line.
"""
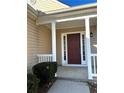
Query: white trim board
x=76 y=18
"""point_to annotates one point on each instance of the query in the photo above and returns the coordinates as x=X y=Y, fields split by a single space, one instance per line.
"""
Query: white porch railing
x=44 y=58
x=94 y=64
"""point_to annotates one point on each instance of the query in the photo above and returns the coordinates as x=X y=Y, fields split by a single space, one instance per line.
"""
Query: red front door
x=73 y=43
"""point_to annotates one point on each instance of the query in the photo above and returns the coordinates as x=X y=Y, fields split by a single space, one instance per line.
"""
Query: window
x=83 y=41
x=64 y=39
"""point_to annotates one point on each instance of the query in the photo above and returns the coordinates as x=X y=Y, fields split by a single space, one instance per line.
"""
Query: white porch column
x=88 y=48
x=53 y=41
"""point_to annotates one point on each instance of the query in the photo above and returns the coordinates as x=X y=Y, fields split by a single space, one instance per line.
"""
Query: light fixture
x=91 y=34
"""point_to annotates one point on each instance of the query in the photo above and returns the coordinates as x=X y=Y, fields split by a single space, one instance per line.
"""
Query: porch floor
x=67 y=72
x=67 y=86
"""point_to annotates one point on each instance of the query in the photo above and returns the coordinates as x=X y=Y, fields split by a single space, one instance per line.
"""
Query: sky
x=72 y=3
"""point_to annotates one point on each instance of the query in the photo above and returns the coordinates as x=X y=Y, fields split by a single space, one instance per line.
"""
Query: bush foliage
x=45 y=71
x=32 y=83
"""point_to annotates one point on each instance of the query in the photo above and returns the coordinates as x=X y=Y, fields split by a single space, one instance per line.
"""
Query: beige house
x=63 y=34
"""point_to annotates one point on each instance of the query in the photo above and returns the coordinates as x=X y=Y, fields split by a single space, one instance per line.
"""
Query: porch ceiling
x=72 y=24
x=45 y=19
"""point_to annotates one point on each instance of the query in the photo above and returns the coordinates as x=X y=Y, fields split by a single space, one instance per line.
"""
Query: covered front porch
x=86 y=58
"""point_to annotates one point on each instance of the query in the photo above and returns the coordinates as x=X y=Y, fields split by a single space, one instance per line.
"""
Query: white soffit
x=73 y=8
x=47 y=5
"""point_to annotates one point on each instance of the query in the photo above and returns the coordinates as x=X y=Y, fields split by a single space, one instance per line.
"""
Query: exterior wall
x=44 y=41
x=38 y=41
x=60 y=31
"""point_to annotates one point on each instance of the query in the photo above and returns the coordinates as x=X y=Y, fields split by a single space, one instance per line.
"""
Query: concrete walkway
x=68 y=86
x=80 y=73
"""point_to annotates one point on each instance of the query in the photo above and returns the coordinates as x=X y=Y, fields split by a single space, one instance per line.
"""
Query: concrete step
x=67 y=86
x=73 y=79
x=80 y=73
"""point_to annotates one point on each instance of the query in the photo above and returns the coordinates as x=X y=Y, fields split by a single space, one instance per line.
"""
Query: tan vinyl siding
x=32 y=42
x=60 y=31
x=44 y=42
x=38 y=41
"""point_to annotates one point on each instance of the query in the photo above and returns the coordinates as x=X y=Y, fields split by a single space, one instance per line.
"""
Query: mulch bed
x=92 y=86
x=46 y=87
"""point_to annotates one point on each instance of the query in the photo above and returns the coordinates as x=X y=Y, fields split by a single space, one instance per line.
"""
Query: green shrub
x=32 y=83
x=45 y=71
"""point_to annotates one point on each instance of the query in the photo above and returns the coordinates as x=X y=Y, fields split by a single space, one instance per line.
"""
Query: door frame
x=65 y=62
